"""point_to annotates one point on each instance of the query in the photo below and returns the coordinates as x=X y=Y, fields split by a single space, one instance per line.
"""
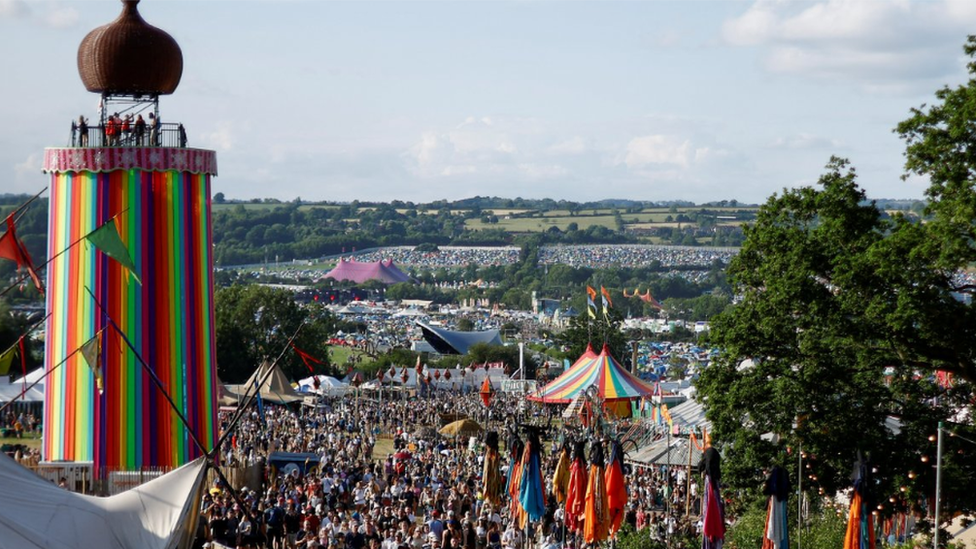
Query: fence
x=165 y=135
x=78 y=476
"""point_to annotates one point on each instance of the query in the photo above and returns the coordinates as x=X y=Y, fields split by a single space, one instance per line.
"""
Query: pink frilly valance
x=106 y=159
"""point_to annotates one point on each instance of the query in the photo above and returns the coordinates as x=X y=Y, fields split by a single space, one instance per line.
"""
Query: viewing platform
x=165 y=135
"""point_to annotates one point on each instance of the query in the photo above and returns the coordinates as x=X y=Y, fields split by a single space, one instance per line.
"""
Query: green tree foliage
x=824 y=530
x=479 y=353
x=845 y=316
x=12 y=326
x=254 y=323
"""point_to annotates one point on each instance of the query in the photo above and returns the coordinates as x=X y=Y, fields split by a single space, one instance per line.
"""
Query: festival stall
x=615 y=386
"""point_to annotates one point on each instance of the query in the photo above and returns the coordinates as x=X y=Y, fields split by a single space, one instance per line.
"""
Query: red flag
x=379 y=375
x=307 y=358
x=486 y=392
x=14 y=250
x=419 y=368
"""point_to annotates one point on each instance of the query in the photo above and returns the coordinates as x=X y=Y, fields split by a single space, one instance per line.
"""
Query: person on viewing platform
x=140 y=130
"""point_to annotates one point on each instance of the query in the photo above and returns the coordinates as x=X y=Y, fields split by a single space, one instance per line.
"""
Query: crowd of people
x=386 y=479
x=445 y=256
x=126 y=130
x=16 y=424
x=633 y=255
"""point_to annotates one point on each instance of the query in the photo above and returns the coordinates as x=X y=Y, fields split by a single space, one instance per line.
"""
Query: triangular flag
x=591 y=292
x=307 y=358
x=6 y=359
x=92 y=351
x=607 y=302
x=107 y=239
x=13 y=249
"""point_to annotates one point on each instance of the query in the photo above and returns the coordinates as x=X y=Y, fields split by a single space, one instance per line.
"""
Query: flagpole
x=248 y=398
x=28 y=332
x=152 y=374
x=688 y=488
x=47 y=373
x=24 y=205
x=208 y=456
x=59 y=254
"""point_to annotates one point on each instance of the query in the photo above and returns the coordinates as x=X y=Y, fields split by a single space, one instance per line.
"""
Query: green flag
x=107 y=239
x=92 y=352
x=6 y=359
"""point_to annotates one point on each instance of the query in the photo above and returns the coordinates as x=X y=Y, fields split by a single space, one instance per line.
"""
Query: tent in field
x=160 y=514
x=614 y=383
x=276 y=388
x=383 y=271
x=327 y=385
x=451 y=342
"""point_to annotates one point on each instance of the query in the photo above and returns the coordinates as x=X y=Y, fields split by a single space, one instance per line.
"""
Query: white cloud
x=656 y=150
x=479 y=145
x=13 y=9
x=222 y=138
x=803 y=141
x=29 y=167
x=61 y=17
x=573 y=146
x=875 y=44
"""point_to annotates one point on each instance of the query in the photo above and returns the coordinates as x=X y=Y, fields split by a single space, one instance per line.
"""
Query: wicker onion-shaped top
x=130 y=56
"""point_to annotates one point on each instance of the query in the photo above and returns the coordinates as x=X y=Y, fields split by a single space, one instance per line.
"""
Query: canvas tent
x=613 y=381
x=12 y=391
x=328 y=385
x=160 y=514
x=450 y=342
x=383 y=271
x=666 y=451
x=276 y=388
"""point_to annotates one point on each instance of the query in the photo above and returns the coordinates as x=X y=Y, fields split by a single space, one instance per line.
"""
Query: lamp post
x=799 y=494
x=938 y=486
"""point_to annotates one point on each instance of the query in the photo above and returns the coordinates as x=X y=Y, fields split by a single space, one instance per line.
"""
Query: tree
x=584 y=330
x=845 y=317
x=254 y=323
x=480 y=353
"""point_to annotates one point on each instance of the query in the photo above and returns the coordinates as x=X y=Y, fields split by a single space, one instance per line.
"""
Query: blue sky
x=653 y=100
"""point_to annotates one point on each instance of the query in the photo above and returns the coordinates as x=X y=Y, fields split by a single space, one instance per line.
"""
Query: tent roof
x=11 y=391
x=275 y=389
x=660 y=452
x=690 y=413
x=155 y=515
x=603 y=372
x=384 y=271
x=450 y=342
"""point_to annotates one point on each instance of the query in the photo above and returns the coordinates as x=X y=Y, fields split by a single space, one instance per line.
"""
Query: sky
x=579 y=100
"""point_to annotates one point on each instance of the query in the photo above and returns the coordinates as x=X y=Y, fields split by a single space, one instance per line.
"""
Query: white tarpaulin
x=157 y=515
x=328 y=385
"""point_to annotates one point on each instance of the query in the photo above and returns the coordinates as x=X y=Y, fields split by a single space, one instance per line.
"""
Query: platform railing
x=163 y=135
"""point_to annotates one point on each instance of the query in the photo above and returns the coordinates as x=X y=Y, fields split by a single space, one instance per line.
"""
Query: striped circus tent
x=603 y=371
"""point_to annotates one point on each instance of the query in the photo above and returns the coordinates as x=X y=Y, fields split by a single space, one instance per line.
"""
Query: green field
x=31 y=441
x=270 y=206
